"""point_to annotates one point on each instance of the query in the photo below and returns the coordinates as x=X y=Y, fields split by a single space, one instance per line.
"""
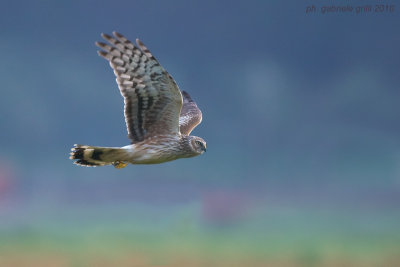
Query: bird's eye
x=199 y=143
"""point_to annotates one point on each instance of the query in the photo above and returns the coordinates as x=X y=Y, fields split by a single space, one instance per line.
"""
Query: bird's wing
x=190 y=115
x=152 y=99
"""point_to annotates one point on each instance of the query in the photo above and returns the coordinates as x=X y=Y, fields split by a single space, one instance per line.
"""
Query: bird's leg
x=120 y=164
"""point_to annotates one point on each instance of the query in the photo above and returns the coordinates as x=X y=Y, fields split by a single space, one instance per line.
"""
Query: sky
x=300 y=114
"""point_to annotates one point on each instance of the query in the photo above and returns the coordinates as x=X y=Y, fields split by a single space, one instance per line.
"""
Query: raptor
x=159 y=117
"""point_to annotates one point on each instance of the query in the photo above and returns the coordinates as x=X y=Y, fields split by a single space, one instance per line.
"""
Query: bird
x=159 y=116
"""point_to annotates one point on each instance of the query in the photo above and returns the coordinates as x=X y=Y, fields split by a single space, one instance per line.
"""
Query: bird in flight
x=159 y=117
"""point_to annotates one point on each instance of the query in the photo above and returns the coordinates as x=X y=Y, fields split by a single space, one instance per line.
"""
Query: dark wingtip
x=102 y=54
x=140 y=43
x=100 y=44
x=117 y=34
x=186 y=96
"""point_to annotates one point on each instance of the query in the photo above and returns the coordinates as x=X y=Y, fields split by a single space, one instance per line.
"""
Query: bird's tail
x=92 y=156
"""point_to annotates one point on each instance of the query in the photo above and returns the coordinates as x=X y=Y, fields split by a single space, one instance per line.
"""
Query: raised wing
x=152 y=99
x=190 y=115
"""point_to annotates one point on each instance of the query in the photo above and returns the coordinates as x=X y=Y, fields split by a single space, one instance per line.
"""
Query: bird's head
x=197 y=144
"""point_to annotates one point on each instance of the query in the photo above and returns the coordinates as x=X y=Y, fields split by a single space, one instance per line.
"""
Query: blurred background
x=300 y=115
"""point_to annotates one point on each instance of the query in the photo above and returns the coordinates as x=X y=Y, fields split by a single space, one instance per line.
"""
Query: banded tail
x=93 y=156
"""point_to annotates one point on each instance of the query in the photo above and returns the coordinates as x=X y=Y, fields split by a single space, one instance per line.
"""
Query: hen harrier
x=159 y=117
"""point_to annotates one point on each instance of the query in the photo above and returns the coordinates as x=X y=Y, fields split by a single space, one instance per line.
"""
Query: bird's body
x=159 y=117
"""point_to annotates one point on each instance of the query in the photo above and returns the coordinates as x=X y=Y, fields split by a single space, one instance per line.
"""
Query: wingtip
x=117 y=34
x=102 y=54
x=99 y=44
x=106 y=36
x=187 y=96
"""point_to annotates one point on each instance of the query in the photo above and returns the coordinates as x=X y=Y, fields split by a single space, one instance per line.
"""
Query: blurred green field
x=183 y=239
x=109 y=248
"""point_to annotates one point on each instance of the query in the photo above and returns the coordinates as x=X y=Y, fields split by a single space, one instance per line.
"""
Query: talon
x=120 y=164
